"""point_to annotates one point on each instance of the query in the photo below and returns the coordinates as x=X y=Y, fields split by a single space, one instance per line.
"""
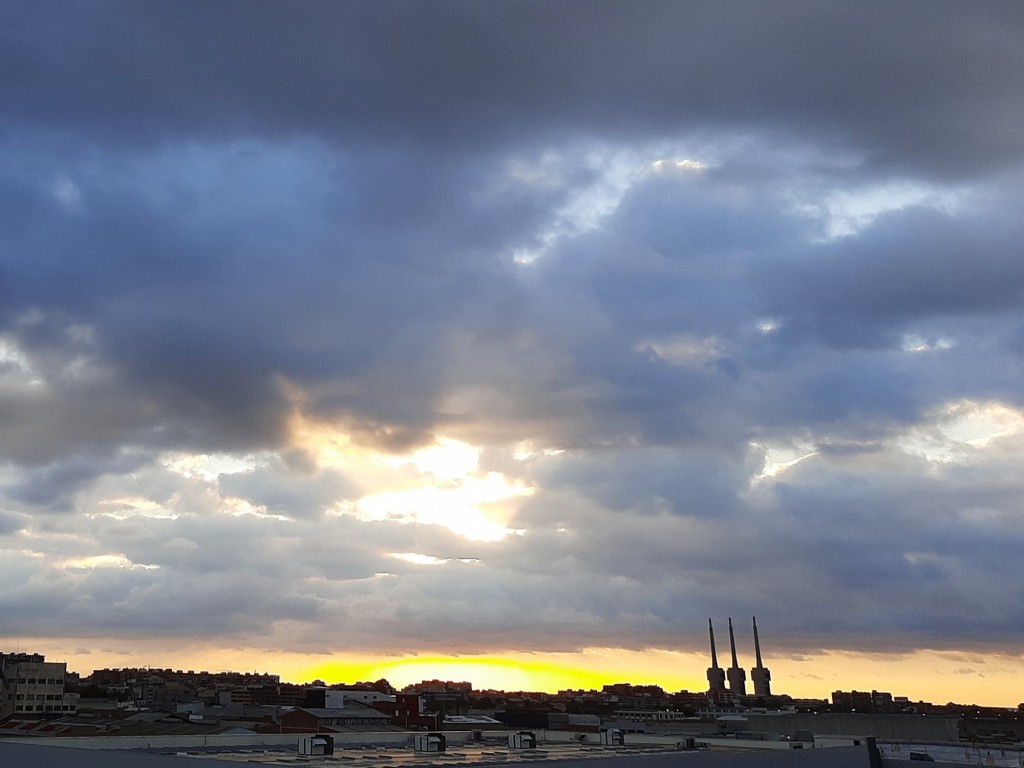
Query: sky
x=511 y=341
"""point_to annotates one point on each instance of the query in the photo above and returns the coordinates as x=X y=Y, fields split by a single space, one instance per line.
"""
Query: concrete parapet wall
x=30 y=754
x=839 y=757
x=388 y=738
x=35 y=754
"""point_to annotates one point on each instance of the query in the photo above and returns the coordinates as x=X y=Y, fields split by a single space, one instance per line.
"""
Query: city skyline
x=915 y=676
x=516 y=336
x=152 y=685
x=410 y=680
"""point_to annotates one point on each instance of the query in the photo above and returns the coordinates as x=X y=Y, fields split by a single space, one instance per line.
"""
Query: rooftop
x=405 y=757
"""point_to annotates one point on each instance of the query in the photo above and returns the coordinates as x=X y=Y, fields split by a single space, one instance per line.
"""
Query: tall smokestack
x=760 y=674
x=732 y=645
x=714 y=653
x=716 y=675
x=737 y=677
x=757 y=643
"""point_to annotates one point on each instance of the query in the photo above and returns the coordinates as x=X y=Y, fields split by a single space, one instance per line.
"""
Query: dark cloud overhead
x=920 y=85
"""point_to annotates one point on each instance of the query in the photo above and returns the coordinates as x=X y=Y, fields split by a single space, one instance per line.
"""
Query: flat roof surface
x=1000 y=755
x=405 y=757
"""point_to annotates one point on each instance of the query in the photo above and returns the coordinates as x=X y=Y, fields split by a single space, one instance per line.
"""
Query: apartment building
x=31 y=686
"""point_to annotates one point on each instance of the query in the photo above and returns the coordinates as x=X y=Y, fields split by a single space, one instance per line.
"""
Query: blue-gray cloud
x=641 y=257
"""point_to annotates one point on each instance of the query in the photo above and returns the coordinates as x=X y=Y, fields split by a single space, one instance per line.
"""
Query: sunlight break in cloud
x=613 y=172
x=447 y=459
x=917 y=344
x=104 y=561
x=209 y=466
x=957 y=431
x=527 y=450
x=456 y=508
x=417 y=558
x=779 y=458
x=126 y=507
x=684 y=350
x=851 y=210
x=448 y=489
x=15 y=366
x=237 y=507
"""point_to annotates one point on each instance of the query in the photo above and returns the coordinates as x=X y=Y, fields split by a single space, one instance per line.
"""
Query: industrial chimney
x=737 y=677
x=760 y=674
x=716 y=675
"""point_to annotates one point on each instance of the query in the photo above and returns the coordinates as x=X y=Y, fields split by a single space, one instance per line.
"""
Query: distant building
x=407 y=711
x=875 y=702
x=354 y=693
x=270 y=694
x=689 y=699
x=328 y=720
x=439 y=686
x=833 y=724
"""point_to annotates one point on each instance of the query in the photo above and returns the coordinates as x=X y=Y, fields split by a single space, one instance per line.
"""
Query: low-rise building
x=353 y=716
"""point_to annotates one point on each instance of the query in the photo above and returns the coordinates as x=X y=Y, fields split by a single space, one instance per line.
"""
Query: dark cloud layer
x=725 y=298
x=921 y=85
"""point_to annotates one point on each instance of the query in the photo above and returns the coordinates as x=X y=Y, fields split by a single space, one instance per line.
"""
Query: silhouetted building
x=316 y=720
x=875 y=702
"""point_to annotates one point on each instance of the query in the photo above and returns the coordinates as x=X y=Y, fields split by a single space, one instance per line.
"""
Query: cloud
x=465 y=73
x=569 y=328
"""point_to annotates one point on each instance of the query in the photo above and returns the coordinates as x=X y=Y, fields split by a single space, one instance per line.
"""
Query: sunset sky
x=510 y=341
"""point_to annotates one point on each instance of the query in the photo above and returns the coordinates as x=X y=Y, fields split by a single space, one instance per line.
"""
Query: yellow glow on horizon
x=549 y=672
x=966 y=677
